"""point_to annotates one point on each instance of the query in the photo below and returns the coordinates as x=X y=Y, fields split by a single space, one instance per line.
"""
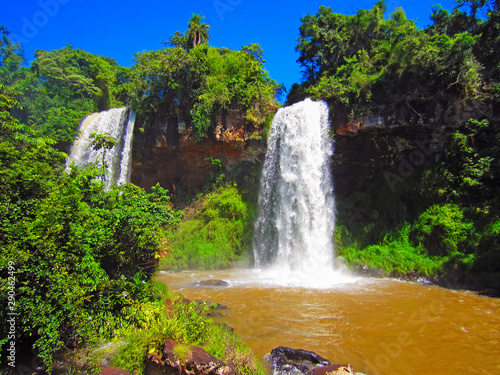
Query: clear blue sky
x=118 y=29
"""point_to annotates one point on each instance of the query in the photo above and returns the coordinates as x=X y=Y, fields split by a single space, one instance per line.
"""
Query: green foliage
x=394 y=256
x=188 y=324
x=486 y=266
x=83 y=257
x=62 y=86
x=215 y=236
x=367 y=63
x=11 y=57
x=439 y=238
x=470 y=170
x=443 y=231
x=193 y=85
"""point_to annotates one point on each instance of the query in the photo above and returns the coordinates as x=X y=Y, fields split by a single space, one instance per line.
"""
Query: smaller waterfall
x=295 y=223
x=126 y=160
x=118 y=123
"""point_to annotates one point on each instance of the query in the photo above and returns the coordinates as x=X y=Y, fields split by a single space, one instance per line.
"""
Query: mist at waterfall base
x=293 y=238
x=118 y=123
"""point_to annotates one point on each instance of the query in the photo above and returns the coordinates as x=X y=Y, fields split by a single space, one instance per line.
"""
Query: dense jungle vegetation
x=80 y=258
x=442 y=220
x=83 y=257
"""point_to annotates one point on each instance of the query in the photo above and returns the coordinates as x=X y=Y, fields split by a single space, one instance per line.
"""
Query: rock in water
x=287 y=361
x=212 y=282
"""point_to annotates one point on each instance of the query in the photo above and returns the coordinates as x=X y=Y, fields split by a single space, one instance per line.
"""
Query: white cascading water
x=118 y=123
x=293 y=236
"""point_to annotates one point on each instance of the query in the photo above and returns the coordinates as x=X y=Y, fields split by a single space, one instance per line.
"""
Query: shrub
x=188 y=324
x=215 y=236
x=396 y=255
x=442 y=230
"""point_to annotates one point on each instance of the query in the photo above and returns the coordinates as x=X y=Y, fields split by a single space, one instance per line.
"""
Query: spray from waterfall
x=295 y=224
x=117 y=122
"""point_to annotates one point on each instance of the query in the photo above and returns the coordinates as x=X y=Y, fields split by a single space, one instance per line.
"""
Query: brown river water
x=379 y=326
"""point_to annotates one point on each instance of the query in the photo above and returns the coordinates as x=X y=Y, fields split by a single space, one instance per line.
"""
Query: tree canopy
x=62 y=86
x=372 y=64
x=193 y=85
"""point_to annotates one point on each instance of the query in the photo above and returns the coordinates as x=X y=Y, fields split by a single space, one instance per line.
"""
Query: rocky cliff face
x=180 y=164
x=380 y=152
x=397 y=145
x=367 y=149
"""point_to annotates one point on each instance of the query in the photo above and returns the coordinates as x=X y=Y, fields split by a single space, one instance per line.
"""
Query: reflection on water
x=378 y=326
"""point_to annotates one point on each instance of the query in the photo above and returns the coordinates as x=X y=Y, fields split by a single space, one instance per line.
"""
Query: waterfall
x=295 y=223
x=117 y=122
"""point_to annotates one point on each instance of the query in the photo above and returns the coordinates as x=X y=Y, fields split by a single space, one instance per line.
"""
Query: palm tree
x=197 y=30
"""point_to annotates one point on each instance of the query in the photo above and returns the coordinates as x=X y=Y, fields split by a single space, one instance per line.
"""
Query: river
x=379 y=326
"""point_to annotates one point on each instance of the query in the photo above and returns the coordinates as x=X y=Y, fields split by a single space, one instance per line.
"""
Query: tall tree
x=105 y=142
x=198 y=30
x=11 y=57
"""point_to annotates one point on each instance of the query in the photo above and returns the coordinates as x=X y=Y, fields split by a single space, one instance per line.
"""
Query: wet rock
x=199 y=362
x=287 y=361
x=212 y=282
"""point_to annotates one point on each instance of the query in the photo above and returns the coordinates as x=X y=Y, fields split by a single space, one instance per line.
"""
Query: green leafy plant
x=83 y=256
x=216 y=235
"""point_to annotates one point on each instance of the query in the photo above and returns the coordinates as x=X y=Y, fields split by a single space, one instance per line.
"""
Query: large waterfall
x=295 y=224
x=117 y=122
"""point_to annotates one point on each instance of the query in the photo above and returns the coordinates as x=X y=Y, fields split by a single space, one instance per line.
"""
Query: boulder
x=212 y=282
x=199 y=362
x=287 y=361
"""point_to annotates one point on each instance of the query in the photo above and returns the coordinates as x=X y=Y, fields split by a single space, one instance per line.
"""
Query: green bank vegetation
x=172 y=317
x=215 y=233
x=442 y=222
